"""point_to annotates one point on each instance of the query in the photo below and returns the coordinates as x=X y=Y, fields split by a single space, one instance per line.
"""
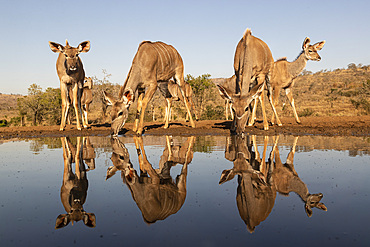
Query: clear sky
x=204 y=32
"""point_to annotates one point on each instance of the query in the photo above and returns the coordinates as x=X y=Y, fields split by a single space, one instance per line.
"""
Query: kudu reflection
x=259 y=181
x=154 y=191
x=74 y=187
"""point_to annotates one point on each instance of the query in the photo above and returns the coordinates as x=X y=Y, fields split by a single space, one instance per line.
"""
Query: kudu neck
x=297 y=66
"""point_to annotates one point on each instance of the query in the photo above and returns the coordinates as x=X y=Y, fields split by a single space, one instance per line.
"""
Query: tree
x=199 y=86
x=40 y=106
x=352 y=66
x=32 y=104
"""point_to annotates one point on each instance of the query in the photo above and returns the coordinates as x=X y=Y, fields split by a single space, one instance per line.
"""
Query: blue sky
x=204 y=32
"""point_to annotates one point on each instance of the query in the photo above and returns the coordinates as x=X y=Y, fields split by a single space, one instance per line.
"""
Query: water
x=224 y=193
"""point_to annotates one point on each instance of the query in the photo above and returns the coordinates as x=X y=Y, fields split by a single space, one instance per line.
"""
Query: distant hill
x=8 y=105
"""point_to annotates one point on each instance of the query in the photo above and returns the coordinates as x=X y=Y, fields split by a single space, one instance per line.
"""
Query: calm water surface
x=185 y=191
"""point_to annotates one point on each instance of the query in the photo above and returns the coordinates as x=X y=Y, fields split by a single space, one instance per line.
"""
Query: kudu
x=71 y=75
x=259 y=181
x=86 y=98
x=252 y=64
x=74 y=187
x=229 y=83
x=255 y=197
x=172 y=92
x=153 y=62
x=154 y=192
x=284 y=74
x=286 y=180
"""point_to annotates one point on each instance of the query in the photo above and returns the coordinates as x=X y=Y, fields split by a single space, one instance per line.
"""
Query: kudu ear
x=223 y=92
x=108 y=99
x=257 y=90
x=62 y=221
x=84 y=46
x=322 y=206
x=308 y=210
x=128 y=97
x=306 y=43
x=89 y=219
x=226 y=175
x=55 y=47
x=319 y=45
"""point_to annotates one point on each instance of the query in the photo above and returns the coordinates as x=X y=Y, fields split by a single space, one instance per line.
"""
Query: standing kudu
x=252 y=63
x=172 y=92
x=283 y=75
x=71 y=75
x=74 y=187
x=153 y=62
x=86 y=98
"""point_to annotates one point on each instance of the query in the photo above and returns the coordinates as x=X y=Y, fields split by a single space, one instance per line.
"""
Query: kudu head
x=71 y=61
x=76 y=213
x=240 y=106
x=119 y=111
x=310 y=51
x=313 y=201
x=88 y=83
x=121 y=160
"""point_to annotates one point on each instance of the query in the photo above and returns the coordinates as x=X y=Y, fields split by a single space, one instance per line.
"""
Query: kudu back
x=71 y=75
x=252 y=64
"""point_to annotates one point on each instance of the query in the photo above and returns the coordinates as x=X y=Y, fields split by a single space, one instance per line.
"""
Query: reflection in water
x=74 y=188
x=258 y=180
x=154 y=191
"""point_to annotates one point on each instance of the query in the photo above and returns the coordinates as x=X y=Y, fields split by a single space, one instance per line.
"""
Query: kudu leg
x=65 y=105
x=138 y=110
x=180 y=81
x=77 y=104
x=168 y=113
x=253 y=115
x=226 y=109
x=262 y=101
x=289 y=95
x=148 y=96
x=273 y=96
x=192 y=106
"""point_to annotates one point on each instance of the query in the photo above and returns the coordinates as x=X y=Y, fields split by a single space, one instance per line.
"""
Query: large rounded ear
x=319 y=45
x=226 y=175
x=84 y=46
x=62 y=221
x=89 y=219
x=128 y=97
x=223 y=92
x=55 y=47
x=108 y=99
x=306 y=43
x=256 y=91
x=308 y=210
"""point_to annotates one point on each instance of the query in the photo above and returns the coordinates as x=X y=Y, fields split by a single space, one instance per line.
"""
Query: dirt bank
x=328 y=126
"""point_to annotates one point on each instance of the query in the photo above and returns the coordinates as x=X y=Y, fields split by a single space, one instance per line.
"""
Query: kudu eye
x=120 y=113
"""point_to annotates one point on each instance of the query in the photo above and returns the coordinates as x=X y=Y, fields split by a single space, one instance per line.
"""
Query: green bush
x=3 y=123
